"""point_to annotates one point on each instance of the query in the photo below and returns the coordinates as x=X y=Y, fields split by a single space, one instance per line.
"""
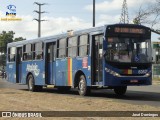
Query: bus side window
x=27 y=54
x=72 y=47
x=24 y=56
x=38 y=51
x=83 y=47
x=11 y=54
x=61 y=48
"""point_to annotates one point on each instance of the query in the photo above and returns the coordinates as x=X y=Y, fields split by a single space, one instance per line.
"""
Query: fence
x=156 y=71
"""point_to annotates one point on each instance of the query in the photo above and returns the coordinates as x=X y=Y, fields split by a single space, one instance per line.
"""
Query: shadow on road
x=131 y=96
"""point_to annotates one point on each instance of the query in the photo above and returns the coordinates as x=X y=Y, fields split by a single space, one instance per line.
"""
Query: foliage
x=19 y=39
x=5 y=38
x=149 y=15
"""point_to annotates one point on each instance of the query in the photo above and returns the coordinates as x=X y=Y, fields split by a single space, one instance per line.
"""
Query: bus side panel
x=50 y=69
x=39 y=72
x=61 y=68
x=37 y=69
x=84 y=65
x=11 y=72
x=67 y=68
x=24 y=73
x=86 y=68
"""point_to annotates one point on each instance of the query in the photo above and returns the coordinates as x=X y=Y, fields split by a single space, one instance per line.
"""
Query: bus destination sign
x=129 y=30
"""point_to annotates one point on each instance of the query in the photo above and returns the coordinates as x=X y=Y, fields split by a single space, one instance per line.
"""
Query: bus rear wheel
x=82 y=86
x=31 y=85
x=120 y=90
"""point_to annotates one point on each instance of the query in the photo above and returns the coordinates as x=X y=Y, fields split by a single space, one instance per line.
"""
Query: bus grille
x=130 y=83
x=132 y=74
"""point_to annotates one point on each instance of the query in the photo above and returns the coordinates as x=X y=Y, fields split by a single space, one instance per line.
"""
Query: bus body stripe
x=69 y=72
x=127 y=71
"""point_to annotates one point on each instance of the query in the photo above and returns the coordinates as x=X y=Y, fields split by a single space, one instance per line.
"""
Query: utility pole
x=39 y=17
x=124 y=15
x=93 y=13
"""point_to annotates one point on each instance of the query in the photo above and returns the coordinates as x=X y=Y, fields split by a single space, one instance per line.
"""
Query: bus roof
x=55 y=37
x=59 y=36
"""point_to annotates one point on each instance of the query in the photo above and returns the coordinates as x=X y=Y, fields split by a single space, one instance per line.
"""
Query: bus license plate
x=133 y=81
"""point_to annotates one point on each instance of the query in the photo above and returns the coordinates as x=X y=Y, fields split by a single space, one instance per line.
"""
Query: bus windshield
x=128 y=50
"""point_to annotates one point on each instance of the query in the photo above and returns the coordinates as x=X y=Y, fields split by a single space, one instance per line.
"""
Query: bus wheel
x=82 y=86
x=120 y=90
x=31 y=85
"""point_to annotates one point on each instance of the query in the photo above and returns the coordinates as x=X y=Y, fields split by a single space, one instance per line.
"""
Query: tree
x=5 y=38
x=149 y=15
x=19 y=39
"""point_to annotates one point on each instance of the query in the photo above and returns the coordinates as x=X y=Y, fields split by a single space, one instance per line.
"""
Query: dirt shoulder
x=23 y=100
x=50 y=100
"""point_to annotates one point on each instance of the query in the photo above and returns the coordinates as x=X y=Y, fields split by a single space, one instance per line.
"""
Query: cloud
x=28 y=28
x=61 y=24
x=108 y=6
x=105 y=6
x=108 y=19
x=109 y=11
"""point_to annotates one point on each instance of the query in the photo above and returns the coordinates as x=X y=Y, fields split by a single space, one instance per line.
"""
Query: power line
x=39 y=16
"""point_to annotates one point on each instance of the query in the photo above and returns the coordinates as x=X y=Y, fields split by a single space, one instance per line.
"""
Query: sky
x=63 y=15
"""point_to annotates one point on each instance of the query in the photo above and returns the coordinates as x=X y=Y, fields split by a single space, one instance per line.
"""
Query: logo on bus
x=33 y=68
x=85 y=62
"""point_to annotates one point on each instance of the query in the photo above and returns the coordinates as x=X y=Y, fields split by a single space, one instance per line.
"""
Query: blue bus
x=109 y=57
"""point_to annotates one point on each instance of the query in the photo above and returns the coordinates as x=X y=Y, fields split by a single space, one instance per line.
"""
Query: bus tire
x=31 y=85
x=82 y=86
x=120 y=90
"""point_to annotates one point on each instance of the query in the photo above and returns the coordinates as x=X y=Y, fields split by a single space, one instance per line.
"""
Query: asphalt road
x=137 y=95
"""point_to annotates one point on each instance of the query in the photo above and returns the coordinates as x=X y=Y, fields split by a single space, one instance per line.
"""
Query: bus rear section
x=127 y=57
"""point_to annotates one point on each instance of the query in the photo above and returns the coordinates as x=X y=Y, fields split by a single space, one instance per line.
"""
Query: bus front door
x=97 y=64
x=50 y=63
x=19 y=65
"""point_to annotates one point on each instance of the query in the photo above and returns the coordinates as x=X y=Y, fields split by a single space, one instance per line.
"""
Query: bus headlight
x=147 y=74
x=116 y=74
x=112 y=72
x=107 y=70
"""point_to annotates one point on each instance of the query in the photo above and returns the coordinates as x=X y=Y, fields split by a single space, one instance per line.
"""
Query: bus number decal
x=33 y=68
x=142 y=71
